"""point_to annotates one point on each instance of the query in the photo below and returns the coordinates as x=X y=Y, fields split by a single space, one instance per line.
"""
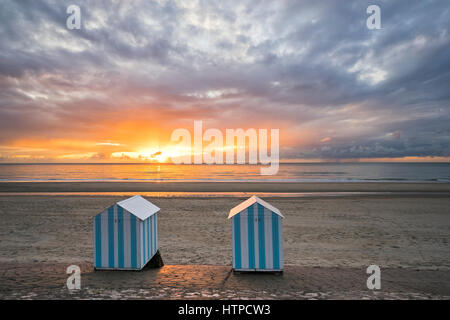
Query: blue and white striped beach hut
x=126 y=235
x=257 y=236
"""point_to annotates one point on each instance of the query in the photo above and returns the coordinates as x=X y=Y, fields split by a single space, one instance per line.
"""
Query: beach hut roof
x=139 y=207
x=247 y=203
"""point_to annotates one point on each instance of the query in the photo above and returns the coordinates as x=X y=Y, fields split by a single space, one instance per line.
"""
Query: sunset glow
x=116 y=89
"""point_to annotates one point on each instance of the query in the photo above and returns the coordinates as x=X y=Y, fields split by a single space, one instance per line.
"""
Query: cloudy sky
x=137 y=70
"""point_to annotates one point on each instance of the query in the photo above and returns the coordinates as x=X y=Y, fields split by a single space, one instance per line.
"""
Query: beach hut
x=126 y=235
x=257 y=236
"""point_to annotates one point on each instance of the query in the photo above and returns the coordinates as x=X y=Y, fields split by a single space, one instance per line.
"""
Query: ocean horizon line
x=168 y=180
x=225 y=164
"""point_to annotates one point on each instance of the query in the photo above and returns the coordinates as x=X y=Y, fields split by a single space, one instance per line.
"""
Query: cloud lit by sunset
x=115 y=90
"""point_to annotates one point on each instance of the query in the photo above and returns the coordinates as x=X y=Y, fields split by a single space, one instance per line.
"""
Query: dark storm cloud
x=305 y=66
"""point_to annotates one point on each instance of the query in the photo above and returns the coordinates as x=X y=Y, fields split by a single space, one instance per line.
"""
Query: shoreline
x=231 y=195
x=250 y=187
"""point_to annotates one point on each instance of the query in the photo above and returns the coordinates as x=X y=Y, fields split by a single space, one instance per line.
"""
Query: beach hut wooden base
x=257 y=233
x=126 y=235
x=244 y=271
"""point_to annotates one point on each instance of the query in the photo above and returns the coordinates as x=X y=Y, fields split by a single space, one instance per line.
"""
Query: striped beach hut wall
x=126 y=235
x=257 y=236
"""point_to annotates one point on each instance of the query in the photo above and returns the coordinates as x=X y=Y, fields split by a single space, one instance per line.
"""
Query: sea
x=288 y=172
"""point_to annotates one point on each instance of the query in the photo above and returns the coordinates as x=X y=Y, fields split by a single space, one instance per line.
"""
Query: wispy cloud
x=108 y=144
x=139 y=69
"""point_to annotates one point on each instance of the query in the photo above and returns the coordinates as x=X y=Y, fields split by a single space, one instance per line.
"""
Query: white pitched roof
x=247 y=203
x=139 y=207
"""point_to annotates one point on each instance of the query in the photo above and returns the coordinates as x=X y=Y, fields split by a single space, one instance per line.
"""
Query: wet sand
x=329 y=242
x=48 y=281
x=222 y=187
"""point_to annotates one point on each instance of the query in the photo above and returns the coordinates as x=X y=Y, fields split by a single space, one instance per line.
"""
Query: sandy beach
x=329 y=242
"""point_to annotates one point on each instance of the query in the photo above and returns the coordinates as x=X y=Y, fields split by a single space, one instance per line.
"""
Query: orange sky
x=131 y=141
x=116 y=89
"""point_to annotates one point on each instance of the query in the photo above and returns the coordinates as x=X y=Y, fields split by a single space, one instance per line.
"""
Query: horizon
x=346 y=161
